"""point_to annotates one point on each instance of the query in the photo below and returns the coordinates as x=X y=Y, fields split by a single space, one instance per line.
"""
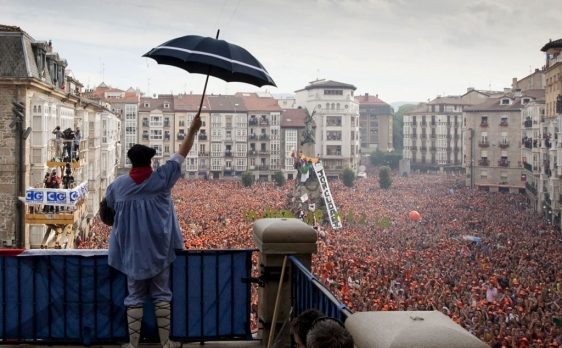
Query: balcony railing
x=228 y=153
x=531 y=188
x=503 y=163
x=504 y=145
x=528 y=166
x=264 y=152
x=483 y=144
x=528 y=124
x=264 y=137
x=181 y=136
x=263 y=167
x=484 y=162
x=252 y=153
x=203 y=154
x=252 y=122
x=504 y=124
x=484 y=124
x=202 y=136
x=78 y=299
x=253 y=137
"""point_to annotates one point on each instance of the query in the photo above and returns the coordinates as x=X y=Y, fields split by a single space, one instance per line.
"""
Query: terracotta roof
x=254 y=102
x=226 y=103
x=369 y=99
x=552 y=44
x=157 y=103
x=190 y=102
x=328 y=84
x=293 y=118
x=494 y=104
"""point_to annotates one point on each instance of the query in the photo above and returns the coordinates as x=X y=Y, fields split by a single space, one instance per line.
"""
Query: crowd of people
x=504 y=286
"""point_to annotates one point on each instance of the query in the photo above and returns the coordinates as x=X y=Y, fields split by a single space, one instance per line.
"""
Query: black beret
x=141 y=155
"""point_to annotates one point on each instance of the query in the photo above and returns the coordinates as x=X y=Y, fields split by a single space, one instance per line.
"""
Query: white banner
x=331 y=209
x=58 y=197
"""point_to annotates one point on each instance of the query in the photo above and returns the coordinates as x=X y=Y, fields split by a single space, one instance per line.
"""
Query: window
x=333 y=121
x=333 y=92
x=333 y=135
x=156 y=121
x=505 y=101
x=155 y=134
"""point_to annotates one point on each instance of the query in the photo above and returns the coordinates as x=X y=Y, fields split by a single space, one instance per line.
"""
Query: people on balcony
x=301 y=325
x=146 y=233
x=77 y=138
x=58 y=142
x=328 y=332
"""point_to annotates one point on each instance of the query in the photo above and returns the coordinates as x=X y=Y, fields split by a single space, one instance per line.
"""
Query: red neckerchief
x=140 y=174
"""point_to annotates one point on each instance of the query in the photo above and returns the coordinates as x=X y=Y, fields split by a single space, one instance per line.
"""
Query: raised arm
x=188 y=141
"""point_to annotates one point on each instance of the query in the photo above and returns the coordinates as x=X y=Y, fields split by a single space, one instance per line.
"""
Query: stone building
x=375 y=124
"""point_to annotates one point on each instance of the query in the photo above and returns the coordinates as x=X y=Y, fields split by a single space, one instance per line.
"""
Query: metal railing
x=49 y=297
x=308 y=292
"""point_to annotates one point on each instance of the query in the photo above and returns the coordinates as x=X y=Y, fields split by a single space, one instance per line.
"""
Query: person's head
x=328 y=333
x=141 y=155
x=302 y=324
x=53 y=172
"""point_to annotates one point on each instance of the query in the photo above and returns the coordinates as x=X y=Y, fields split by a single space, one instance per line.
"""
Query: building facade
x=375 y=124
x=433 y=131
x=492 y=156
x=336 y=115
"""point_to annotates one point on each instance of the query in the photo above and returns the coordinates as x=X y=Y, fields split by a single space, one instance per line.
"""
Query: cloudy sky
x=403 y=50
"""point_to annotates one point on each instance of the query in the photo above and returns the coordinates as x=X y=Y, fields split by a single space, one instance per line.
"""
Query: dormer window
x=525 y=101
x=505 y=101
x=146 y=105
x=166 y=105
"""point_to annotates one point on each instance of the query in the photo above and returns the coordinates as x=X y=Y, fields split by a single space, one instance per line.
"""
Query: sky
x=402 y=50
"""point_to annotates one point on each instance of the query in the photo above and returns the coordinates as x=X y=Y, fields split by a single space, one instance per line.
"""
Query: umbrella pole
x=276 y=308
x=206 y=81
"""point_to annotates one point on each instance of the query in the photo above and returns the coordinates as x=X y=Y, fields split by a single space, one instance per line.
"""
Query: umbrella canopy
x=214 y=57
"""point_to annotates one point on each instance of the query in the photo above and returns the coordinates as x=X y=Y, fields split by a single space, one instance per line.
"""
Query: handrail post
x=277 y=238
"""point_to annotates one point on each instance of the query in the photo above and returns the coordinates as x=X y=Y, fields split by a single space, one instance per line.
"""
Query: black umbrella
x=218 y=58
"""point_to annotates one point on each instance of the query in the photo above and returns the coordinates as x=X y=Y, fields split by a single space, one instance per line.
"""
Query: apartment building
x=433 y=131
x=292 y=126
x=125 y=104
x=33 y=74
x=264 y=134
x=548 y=188
x=375 y=124
x=156 y=125
x=197 y=163
x=228 y=136
x=492 y=156
x=336 y=115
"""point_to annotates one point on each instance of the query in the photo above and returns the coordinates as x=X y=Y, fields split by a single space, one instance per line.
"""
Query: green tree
x=384 y=177
x=391 y=159
x=348 y=177
x=279 y=178
x=247 y=179
x=398 y=126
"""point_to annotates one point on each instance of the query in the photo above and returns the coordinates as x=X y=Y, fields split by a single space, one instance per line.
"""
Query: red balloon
x=414 y=216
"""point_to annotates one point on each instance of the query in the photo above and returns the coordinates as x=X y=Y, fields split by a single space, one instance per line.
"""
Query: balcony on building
x=253 y=136
x=228 y=153
x=263 y=167
x=528 y=123
x=263 y=121
x=484 y=124
x=167 y=135
x=484 y=162
x=531 y=188
x=252 y=152
x=264 y=152
x=145 y=136
x=202 y=136
x=253 y=121
x=181 y=136
x=504 y=123
x=504 y=144
x=528 y=142
x=528 y=166
x=166 y=124
x=483 y=143
x=264 y=137
x=503 y=163
x=202 y=154
x=145 y=124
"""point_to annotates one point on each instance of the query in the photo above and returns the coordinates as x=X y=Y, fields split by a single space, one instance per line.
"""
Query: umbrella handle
x=206 y=81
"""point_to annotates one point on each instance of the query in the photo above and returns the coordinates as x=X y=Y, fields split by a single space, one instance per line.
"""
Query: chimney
x=514 y=83
x=366 y=95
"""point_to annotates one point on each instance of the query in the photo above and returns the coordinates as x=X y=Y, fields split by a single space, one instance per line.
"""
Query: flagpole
x=206 y=81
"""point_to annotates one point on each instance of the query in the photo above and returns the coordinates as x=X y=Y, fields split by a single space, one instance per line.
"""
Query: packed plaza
x=505 y=288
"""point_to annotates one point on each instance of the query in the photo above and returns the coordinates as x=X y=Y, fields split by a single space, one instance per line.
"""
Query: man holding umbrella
x=146 y=233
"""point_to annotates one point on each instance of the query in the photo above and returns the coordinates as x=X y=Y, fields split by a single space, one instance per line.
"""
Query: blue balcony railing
x=53 y=297
x=308 y=292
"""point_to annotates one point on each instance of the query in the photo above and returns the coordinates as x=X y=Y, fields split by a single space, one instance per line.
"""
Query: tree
x=348 y=177
x=247 y=179
x=391 y=159
x=384 y=177
x=398 y=126
x=279 y=178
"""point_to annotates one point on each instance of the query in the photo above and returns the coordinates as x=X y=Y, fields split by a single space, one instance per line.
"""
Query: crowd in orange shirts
x=505 y=288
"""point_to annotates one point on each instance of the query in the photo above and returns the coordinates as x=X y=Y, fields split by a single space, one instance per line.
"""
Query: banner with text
x=58 y=197
x=331 y=209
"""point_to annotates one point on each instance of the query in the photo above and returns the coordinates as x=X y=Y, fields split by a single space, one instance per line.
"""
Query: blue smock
x=145 y=231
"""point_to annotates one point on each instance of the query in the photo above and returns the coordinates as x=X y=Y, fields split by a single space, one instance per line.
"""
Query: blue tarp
x=73 y=298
